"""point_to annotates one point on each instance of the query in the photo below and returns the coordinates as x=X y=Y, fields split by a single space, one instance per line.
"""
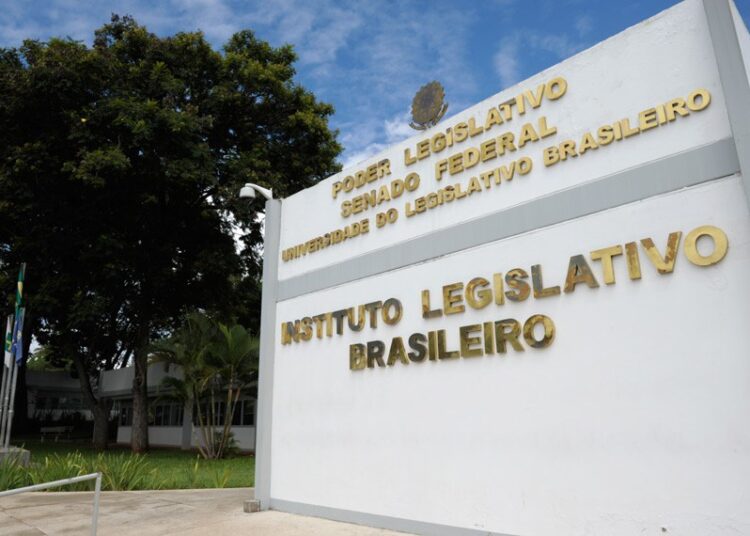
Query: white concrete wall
x=668 y=56
x=634 y=419
x=171 y=436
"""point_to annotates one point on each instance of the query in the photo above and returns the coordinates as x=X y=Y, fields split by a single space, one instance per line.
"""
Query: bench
x=55 y=431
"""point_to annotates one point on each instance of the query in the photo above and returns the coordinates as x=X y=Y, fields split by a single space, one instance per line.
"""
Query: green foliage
x=123 y=471
x=59 y=467
x=13 y=475
x=126 y=472
x=192 y=474
x=217 y=362
x=221 y=478
x=42 y=360
x=120 y=165
x=120 y=472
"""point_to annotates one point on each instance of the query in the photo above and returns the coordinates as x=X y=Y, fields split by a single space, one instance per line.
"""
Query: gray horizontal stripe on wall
x=373 y=520
x=708 y=162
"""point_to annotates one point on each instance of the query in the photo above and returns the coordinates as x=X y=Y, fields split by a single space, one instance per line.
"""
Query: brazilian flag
x=19 y=288
x=16 y=346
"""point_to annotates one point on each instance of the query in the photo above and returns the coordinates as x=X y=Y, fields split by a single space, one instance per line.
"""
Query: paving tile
x=159 y=513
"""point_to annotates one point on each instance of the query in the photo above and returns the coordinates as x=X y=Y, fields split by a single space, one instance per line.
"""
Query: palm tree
x=213 y=357
x=188 y=349
x=234 y=357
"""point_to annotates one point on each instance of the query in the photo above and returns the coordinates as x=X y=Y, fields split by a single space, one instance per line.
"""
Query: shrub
x=221 y=478
x=126 y=472
x=13 y=475
x=193 y=474
x=57 y=467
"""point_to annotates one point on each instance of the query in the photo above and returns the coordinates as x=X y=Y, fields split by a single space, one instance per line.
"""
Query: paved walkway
x=216 y=512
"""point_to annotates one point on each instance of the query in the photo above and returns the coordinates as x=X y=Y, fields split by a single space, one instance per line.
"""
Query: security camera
x=249 y=190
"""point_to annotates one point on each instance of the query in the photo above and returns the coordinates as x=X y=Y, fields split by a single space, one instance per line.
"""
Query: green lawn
x=158 y=469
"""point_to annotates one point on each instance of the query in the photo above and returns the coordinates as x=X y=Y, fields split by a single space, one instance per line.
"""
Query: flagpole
x=8 y=364
x=8 y=416
x=18 y=361
x=16 y=351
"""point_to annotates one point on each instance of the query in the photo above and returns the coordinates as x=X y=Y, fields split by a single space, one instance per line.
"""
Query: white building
x=167 y=427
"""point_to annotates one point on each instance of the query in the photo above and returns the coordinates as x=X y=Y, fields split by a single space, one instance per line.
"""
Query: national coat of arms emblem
x=428 y=107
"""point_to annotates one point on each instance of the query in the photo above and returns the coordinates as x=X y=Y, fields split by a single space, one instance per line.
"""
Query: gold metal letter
x=417 y=342
x=514 y=279
x=538 y=283
x=468 y=343
x=357 y=359
x=375 y=352
x=634 y=261
x=503 y=335
x=605 y=255
x=549 y=331
x=452 y=299
x=579 y=271
x=391 y=319
x=478 y=299
x=721 y=245
x=441 y=351
x=426 y=311
x=397 y=352
x=665 y=265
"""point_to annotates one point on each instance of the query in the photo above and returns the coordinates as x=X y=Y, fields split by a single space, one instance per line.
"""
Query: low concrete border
x=374 y=520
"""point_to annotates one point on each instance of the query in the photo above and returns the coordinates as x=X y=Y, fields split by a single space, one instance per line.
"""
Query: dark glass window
x=248 y=412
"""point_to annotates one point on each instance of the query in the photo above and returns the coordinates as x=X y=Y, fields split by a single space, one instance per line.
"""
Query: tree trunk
x=99 y=408
x=101 y=425
x=139 y=437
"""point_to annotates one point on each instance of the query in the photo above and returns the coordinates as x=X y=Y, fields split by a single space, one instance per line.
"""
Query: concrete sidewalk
x=215 y=512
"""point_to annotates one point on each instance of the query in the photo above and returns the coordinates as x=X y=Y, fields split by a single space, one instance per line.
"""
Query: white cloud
x=560 y=45
x=395 y=129
x=506 y=61
x=318 y=30
x=353 y=159
x=584 y=24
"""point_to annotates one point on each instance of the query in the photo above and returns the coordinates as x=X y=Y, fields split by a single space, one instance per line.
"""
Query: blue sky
x=368 y=58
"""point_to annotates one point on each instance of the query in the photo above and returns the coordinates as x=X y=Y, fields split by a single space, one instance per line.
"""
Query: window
x=169 y=414
x=248 y=412
x=126 y=415
x=244 y=413
x=159 y=416
x=237 y=415
x=175 y=415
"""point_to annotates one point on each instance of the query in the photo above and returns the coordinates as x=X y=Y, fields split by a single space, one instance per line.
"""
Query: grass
x=122 y=470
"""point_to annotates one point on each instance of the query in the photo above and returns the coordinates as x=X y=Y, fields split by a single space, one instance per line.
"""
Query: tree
x=186 y=348
x=234 y=358
x=215 y=361
x=119 y=168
